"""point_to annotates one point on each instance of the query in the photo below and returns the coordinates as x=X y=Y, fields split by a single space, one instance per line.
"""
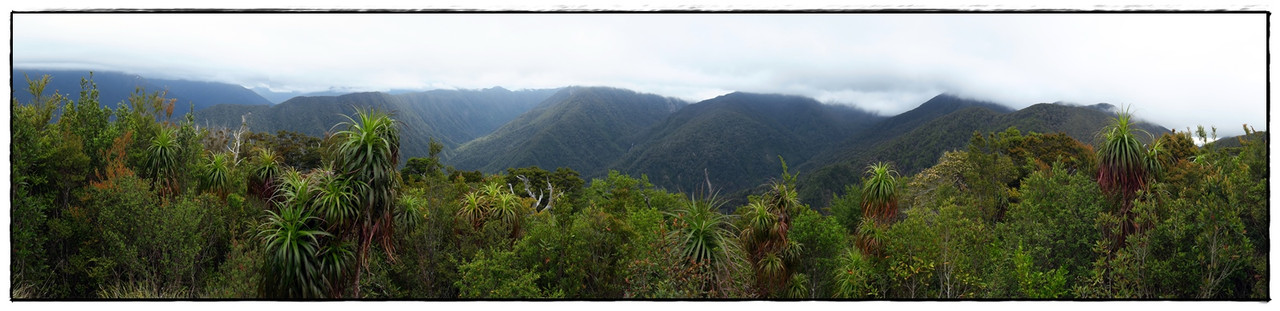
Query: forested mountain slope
x=920 y=147
x=584 y=128
x=894 y=126
x=735 y=140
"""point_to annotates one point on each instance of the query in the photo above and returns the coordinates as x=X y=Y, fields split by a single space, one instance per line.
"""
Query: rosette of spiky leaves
x=798 y=287
x=704 y=239
x=474 y=208
x=413 y=209
x=263 y=171
x=870 y=237
x=295 y=189
x=335 y=198
x=507 y=208
x=763 y=240
x=852 y=275
x=292 y=270
x=368 y=150
x=765 y=237
x=335 y=260
x=162 y=158
x=1122 y=167
x=761 y=224
x=217 y=174
x=1154 y=159
x=880 y=193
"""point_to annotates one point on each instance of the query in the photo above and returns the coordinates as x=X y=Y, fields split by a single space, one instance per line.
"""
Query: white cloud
x=1176 y=69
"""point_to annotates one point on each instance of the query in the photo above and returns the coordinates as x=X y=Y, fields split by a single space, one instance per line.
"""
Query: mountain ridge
x=115 y=87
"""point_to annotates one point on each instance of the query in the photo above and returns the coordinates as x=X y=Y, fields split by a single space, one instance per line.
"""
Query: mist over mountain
x=277 y=97
x=115 y=87
x=735 y=140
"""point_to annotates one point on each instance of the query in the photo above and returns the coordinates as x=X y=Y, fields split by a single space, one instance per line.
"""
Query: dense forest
x=137 y=202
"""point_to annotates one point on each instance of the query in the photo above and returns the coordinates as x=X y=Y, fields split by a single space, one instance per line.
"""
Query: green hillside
x=920 y=147
x=735 y=140
x=585 y=128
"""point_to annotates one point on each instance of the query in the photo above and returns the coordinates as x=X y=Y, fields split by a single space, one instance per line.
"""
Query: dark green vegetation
x=115 y=87
x=133 y=202
x=736 y=139
x=581 y=127
x=914 y=140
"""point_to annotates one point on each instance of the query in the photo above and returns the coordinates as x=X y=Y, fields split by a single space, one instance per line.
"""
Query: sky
x=1177 y=70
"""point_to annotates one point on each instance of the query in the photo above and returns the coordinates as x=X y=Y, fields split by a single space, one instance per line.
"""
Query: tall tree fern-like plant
x=765 y=236
x=879 y=206
x=1123 y=166
x=880 y=193
x=368 y=150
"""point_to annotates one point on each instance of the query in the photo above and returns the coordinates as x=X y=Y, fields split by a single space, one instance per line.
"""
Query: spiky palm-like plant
x=869 y=237
x=413 y=211
x=1122 y=164
x=263 y=171
x=765 y=234
x=162 y=159
x=798 y=287
x=335 y=199
x=704 y=238
x=879 y=207
x=292 y=268
x=1155 y=159
x=217 y=175
x=506 y=208
x=368 y=150
x=474 y=208
x=880 y=193
x=334 y=260
x=852 y=275
x=295 y=188
x=1123 y=167
x=765 y=242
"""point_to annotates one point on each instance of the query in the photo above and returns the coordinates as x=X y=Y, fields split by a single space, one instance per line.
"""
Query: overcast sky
x=1177 y=70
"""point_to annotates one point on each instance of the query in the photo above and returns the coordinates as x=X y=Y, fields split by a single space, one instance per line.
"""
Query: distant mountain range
x=733 y=140
x=276 y=97
x=115 y=87
x=452 y=117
